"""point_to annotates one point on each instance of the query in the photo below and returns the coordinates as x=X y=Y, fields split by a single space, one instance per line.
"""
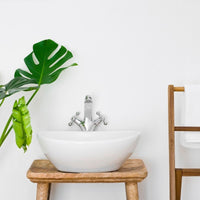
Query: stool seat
x=43 y=172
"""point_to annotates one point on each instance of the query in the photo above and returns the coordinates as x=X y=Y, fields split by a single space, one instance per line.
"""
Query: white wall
x=128 y=52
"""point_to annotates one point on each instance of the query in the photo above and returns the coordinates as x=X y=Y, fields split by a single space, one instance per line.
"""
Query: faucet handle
x=77 y=114
x=70 y=123
x=105 y=122
x=98 y=113
x=103 y=118
x=73 y=118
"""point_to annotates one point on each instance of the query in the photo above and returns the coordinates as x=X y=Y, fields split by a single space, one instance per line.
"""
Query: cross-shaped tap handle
x=103 y=118
x=73 y=118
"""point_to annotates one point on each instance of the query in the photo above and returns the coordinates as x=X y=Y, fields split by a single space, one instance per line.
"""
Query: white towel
x=192 y=116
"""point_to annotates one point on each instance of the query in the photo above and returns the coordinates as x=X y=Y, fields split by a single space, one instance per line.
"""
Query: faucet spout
x=88 y=108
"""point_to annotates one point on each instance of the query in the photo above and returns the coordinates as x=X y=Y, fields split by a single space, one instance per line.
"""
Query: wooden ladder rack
x=176 y=174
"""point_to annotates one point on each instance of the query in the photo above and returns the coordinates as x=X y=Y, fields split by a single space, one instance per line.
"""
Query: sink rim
x=94 y=136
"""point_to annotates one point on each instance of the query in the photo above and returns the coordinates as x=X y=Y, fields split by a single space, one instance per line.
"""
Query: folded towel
x=192 y=116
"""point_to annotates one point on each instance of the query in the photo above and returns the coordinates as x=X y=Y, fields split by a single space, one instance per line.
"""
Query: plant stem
x=2 y=138
x=2 y=102
x=33 y=96
x=5 y=132
x=5 y=136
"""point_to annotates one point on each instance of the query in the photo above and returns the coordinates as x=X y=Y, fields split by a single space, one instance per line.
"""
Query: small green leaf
x=22 y=124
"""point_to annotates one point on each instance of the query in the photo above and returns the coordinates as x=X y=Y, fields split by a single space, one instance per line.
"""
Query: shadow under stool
x=44 y=173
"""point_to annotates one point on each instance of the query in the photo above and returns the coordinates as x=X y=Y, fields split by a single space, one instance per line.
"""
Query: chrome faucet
x=88 y=124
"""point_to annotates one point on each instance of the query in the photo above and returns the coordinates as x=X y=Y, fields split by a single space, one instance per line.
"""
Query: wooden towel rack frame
x=176 y=174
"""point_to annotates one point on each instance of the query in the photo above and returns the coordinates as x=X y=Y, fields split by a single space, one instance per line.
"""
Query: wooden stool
x=44 y=173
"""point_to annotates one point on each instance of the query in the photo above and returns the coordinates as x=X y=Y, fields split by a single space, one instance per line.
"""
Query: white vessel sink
x=99 y=151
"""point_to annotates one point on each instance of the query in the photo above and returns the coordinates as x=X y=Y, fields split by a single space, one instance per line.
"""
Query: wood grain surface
x=43 y=191
x=132 y=191
x=43 y=171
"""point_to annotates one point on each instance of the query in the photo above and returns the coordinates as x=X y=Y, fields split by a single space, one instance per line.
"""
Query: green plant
x=44 y=66
x=22 y=123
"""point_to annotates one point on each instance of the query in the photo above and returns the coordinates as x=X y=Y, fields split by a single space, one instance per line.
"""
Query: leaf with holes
x=45 y=62
x=16 y=85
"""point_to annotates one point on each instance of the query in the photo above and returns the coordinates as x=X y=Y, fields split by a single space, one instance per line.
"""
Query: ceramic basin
x=98 y=151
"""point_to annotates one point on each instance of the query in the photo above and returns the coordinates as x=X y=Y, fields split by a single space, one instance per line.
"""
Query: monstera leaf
x=44 y=63
x=15 y=85
x=22 y=124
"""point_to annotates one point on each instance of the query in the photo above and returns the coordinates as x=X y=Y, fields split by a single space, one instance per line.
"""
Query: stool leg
x=43 y=191
x=131 y=191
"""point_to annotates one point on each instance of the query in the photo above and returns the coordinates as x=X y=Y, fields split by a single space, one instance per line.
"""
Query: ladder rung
x=179 y=89
x=190 y=172
x=186 y=128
